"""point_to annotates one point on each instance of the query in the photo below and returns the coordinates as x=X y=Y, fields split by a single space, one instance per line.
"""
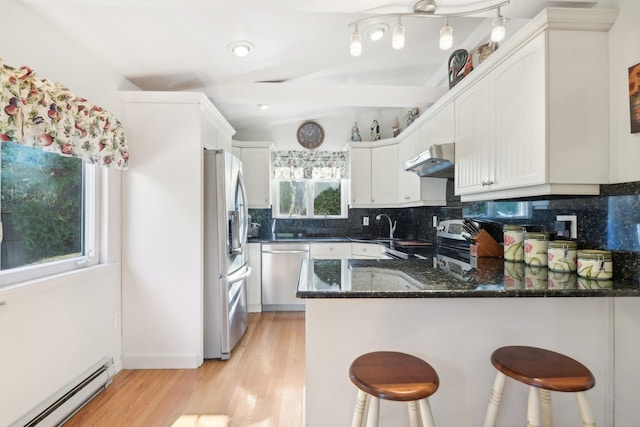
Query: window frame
x=309 y=188
x=92 y=192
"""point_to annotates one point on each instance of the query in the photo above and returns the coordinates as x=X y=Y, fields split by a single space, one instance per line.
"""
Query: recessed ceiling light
x=376 y=32
x=264 y=106
x=241 y=48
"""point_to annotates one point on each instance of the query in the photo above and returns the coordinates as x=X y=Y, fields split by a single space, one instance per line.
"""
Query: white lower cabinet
x=330 y=250
x=366 y=251
x=254 y=283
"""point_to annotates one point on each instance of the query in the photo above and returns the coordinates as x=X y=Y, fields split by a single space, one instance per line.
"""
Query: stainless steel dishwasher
x=281 y=264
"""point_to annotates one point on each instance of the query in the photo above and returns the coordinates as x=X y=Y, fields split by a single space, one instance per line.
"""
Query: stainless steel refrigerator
x=226 y=222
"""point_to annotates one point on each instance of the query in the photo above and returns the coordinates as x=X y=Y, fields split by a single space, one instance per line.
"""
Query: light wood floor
x=259 y=386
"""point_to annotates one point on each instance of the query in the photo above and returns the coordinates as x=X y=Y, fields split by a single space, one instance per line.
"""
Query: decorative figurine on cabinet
x=412 y=115
x=375 y=131
x=355 y=133
x=396 y=127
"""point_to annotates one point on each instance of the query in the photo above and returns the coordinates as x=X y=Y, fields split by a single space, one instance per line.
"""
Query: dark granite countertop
x=442 y=277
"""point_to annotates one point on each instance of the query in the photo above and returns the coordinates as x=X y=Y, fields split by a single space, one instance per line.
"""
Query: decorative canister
x=513 y=275
x=535 y=277
x=535 y=248
x=584 y=283
x=562 y=280
x=513 y=238
x=562 y=255
x=595 y=264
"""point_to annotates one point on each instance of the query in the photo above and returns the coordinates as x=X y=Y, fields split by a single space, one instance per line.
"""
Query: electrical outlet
x=574 y=223
x=117 y=320
x=365 y=221
x=434 y=220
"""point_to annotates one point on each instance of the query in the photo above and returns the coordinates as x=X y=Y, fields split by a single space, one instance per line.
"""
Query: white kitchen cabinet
x=534 y=121
x=374 y=175
x=254 y=282
x=332 y=250
x=256 y=168
x=408 y=182
x=360 y=160
x=366 y=250
x=474 y=149
x=384 y=175
x=162 y=226
x=438 y=127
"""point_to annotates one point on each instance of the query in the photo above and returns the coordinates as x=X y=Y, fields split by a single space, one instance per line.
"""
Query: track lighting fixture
x=498 y=30
x=397 y=41
x=356 y=42
x=427 y=9
x=446 y=35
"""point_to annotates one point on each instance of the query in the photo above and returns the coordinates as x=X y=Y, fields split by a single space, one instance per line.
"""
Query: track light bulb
x=498 y=31
x=397 y=41
x=355 y=48
x=446 y=36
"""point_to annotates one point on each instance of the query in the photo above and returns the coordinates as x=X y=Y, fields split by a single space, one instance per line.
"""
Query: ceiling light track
x=428 y=9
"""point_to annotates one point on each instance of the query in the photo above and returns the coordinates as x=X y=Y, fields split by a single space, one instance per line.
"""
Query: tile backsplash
x=609 y=221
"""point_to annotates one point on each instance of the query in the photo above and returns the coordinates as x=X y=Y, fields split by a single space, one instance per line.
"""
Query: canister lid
x=512 y=227
x=536 y=235
x=563 y=244
x=594 y=254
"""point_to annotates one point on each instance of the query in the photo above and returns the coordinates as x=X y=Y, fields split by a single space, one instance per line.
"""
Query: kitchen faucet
x=392 y=226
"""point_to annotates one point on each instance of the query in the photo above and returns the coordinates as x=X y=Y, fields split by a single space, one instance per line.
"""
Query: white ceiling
x=300 y=65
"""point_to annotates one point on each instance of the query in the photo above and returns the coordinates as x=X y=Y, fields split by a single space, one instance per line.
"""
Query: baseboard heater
x=69 y=400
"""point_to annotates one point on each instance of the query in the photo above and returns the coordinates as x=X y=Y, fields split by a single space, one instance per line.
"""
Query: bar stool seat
x=397 y=377
x=543 y=371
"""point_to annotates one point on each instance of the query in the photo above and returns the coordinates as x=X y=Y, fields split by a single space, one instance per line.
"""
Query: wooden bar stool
x=393 y=376
x=543 y=371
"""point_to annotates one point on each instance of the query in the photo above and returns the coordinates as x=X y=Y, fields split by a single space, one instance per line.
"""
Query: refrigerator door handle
x=237 y=276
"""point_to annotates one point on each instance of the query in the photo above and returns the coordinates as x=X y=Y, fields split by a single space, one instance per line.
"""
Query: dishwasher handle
x=286 y=251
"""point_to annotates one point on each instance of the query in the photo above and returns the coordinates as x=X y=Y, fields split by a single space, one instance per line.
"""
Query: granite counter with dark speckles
x=418 y=278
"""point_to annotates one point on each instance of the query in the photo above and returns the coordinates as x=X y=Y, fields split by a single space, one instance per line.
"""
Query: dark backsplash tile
x=610 y=221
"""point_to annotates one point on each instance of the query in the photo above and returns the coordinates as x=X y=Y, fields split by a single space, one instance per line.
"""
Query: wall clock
x=310 y=135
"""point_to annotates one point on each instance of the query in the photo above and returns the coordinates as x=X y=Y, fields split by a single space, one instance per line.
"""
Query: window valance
x=37 y=112
x=329 y=165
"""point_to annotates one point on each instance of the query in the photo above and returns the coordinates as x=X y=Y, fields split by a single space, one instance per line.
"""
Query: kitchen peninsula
x=357 y=306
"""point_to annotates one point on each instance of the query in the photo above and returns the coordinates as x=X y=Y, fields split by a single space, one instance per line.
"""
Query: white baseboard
x=162 y=361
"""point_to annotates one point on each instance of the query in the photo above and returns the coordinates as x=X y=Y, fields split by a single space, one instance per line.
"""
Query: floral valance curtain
x=37 y=112
x=327 y=165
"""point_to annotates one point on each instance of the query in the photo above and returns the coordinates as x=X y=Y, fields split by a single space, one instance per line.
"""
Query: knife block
x=485 y=246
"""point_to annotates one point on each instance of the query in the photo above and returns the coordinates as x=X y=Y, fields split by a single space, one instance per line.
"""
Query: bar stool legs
x=543 y=371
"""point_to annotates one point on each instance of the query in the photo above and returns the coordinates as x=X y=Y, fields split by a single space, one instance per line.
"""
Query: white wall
x=52 y=331
x=624 y=52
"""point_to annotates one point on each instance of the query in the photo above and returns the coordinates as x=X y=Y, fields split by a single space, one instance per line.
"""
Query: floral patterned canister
x=562 y=255
x=513 y=239
x=562 y=280
x=535 y=248
x=595 y=264
x=536 y=277
x=513 y=275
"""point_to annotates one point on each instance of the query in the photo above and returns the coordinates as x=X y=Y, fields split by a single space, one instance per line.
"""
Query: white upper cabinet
x=384 y=175
x=374 y=175
x=532 y=120
x=256 y=169
x=360 y=171
x=438 y=128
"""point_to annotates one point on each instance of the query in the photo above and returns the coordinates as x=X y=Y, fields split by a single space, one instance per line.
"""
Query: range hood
x=436 y=162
